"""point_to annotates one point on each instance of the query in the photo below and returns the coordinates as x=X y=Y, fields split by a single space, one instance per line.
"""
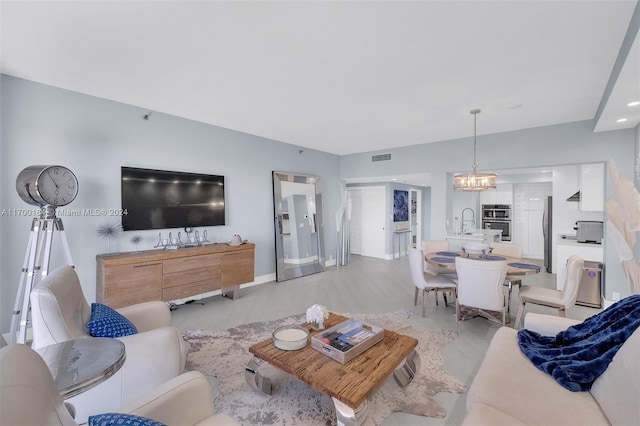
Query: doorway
x=367 y=230
x=415 y=197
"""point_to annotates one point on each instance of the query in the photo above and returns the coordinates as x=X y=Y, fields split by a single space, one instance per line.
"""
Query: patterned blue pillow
x=121 y=419
x=105 y=322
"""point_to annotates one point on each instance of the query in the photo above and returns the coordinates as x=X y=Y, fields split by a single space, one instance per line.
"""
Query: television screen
x=157 y=199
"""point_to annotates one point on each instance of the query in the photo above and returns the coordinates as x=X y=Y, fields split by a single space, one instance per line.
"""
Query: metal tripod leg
x=35 y=266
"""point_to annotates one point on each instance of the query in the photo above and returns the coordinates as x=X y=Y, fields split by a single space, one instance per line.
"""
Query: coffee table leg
x=254 y=378
x=405 y=373
x=348 y=416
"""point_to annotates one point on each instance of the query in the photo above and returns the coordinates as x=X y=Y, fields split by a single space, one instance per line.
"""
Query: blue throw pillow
x=121 y=419
x=105 y=322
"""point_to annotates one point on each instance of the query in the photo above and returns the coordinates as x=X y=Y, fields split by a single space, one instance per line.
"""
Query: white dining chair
x=510 y=250
x=427 y=282
x=480 y=285
x=559 y=299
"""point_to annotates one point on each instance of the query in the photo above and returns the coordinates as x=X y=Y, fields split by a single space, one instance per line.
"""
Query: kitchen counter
x=485 y=236
x=575 y=243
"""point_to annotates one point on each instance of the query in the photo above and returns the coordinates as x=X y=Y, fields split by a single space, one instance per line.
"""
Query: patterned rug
x=223 y=355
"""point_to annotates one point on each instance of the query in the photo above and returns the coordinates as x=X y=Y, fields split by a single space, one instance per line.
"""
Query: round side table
x=79 y=365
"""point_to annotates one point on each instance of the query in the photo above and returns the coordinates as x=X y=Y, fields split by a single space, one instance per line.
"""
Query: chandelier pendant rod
x=475 y=113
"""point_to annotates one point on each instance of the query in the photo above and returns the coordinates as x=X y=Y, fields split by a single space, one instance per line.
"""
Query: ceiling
x=340 y=77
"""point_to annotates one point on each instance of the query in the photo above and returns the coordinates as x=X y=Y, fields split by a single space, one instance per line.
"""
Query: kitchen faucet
x=462 y=221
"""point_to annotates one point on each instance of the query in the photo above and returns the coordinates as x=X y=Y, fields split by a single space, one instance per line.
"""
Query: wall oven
x=496 y=211
x=498 y=224
x=497 y=217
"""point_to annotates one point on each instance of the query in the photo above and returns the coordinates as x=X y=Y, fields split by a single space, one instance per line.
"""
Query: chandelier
x=475 y=182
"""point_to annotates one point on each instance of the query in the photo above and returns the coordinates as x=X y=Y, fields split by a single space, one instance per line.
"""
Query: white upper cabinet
x=503 y=194
x=592 y=187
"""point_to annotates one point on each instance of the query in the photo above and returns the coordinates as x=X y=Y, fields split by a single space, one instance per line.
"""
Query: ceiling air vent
x=380 y=157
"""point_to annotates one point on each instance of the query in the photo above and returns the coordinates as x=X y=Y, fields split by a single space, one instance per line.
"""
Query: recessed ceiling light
x=634 y=103
x=621 y=120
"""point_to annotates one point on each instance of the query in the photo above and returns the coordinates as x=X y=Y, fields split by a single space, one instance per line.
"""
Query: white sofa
x=509 y=390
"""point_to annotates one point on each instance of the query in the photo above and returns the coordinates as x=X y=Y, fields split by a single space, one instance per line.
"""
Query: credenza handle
x=147 y=264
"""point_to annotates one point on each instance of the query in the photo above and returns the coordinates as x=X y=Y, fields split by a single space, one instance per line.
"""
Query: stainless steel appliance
x=547 y=226
x=497 y=217
x=496 y=211
x=590 y=287
x=589 y=231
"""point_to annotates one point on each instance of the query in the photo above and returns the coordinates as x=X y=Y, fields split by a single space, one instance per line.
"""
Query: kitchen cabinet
x=592 y=187
x=567 y=248
x=503 y=194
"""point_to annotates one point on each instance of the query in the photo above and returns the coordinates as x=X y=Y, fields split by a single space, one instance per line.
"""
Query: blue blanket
x=577 y=356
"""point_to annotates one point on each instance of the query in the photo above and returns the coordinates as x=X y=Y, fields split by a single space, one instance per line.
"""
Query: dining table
x=516 y=267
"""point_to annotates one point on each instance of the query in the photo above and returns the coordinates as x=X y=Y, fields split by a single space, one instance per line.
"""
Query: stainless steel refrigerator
x=547 y=226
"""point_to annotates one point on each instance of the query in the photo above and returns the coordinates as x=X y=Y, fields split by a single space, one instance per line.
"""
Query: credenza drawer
x=190 y=276
x=130 y=284
x=179 y=292
x=193 y=262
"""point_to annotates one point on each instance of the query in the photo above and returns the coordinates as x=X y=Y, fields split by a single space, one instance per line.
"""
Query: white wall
x=95 y=137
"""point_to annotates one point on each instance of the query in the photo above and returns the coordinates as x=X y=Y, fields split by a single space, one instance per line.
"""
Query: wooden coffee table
x=350 y=384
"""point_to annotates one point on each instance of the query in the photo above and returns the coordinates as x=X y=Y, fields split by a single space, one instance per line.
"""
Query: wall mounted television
x=158 y=199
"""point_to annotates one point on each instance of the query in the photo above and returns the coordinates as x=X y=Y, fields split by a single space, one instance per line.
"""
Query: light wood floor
x=367 y=285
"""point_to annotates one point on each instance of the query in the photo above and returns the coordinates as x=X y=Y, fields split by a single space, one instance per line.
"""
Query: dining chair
x=434 y=246
x=427 y=282
x=480 y=285
x=510 y=250
x=559 y=299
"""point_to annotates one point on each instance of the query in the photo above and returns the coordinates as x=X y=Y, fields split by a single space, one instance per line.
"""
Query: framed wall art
x=400 y=205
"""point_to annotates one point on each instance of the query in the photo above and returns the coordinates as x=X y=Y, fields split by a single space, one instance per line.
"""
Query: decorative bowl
x=475 y=248
x=290 y=337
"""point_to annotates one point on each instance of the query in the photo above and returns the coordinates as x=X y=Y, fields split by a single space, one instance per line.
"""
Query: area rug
x=223 y=355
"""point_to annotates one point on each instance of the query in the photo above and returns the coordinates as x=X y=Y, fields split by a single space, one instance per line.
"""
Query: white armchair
x=154 y=355
x=28 y=396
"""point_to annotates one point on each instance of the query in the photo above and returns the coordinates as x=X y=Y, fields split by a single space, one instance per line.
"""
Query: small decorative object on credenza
x=109 y=231
x=170 y=243
x=236 y=240
x=195 y=239
x=135 y=240
x=316 y=314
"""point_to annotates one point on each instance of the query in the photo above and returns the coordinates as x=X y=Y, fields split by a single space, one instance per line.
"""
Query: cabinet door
x=237 y=268
x=504 y=193
x=131 y=284
x=489 y=196
x=592 y=187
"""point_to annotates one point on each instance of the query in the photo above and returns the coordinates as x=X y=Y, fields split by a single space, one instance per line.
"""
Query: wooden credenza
x=129 y=278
